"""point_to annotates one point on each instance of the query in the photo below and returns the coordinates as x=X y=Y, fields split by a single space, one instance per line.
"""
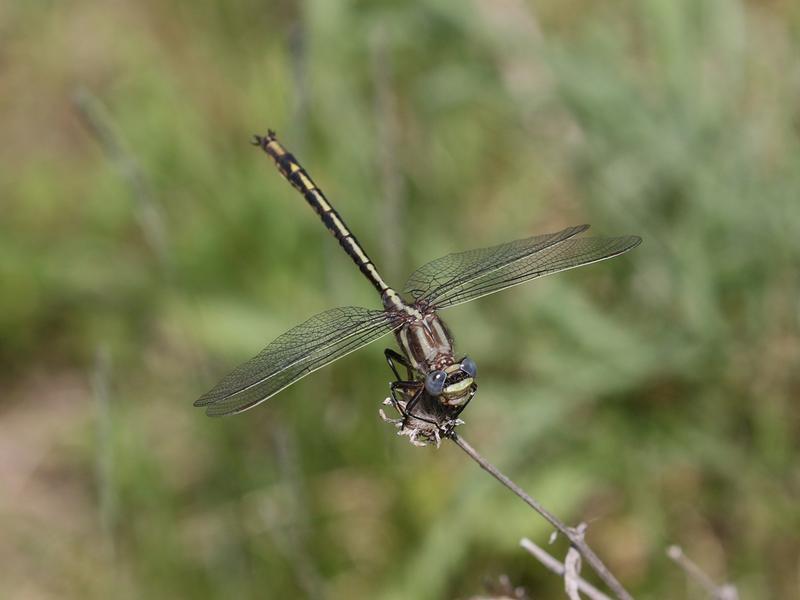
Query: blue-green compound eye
x=434 y=382
x=469 y=367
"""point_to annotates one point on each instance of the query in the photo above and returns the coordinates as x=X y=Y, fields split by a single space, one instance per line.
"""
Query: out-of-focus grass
x=654 y=395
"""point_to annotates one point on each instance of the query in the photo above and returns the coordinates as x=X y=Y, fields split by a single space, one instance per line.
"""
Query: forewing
x=443 y=276
x=309 y=346
x=564 y=255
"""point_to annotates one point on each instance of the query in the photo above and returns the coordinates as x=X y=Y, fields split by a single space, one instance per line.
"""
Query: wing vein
x=318 y=341
x=567 y=254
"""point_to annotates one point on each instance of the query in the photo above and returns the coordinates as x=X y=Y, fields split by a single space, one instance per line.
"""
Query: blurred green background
x=146 y=249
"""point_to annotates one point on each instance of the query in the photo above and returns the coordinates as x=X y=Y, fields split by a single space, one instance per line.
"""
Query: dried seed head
x=427 y=423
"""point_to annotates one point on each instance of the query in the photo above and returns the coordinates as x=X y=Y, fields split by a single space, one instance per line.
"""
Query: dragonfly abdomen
x=296 y=175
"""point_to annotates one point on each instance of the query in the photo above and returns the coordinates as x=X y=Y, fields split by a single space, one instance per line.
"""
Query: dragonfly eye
x=434 y=382
x=469 y=367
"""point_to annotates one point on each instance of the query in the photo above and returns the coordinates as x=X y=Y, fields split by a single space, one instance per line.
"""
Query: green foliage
x=653 y=395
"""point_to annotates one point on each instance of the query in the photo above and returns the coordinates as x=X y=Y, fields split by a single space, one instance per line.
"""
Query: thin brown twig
x=557 y=567
x=574 y=536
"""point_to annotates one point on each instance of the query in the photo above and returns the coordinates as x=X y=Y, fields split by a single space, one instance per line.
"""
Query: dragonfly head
x=454 y=384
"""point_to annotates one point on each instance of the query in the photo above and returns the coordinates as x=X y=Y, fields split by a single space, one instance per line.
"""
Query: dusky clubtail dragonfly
x=434 y=376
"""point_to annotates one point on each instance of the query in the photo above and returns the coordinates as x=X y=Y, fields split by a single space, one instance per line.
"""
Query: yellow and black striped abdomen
x=299 y=178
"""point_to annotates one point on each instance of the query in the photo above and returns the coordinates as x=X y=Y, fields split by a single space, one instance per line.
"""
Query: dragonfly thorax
x=428 y=345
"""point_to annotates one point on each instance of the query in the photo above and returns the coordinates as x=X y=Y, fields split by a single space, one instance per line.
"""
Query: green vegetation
x=654 y=395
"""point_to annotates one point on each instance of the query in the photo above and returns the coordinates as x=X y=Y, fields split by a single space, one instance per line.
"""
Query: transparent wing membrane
x=437 y=277
x=458 y=278
x=319 y=341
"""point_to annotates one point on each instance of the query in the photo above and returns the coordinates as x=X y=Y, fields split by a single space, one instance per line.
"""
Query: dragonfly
x=433 y=375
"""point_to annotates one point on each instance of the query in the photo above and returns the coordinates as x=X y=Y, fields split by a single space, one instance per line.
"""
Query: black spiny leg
x=391 y=357
x=415 y=389
x=409 y=389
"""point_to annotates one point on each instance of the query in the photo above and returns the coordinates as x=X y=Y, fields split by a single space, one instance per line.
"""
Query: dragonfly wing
x=319 y=341
x=553 y=258
x=438 y=277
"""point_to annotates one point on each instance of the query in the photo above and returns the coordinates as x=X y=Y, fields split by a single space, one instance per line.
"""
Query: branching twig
x=726 y=591
x=557 y=567
x=573 y=535
x=572 y=567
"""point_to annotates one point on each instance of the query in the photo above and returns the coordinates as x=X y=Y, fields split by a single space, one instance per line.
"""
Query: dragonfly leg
x=391 y=357
x=415 y=389
x=411 y=389
x=413 y=403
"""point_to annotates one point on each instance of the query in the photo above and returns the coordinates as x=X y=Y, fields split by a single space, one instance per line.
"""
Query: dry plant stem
x=721 y=592
x=149 y=212
x=97 y=121
x=558 y=568
x=572 y=573
x=575 y=537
